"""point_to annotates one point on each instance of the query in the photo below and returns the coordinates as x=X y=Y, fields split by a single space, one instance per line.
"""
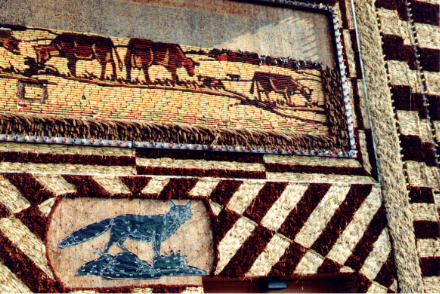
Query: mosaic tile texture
x=84 y=86
x=272 y=228
x=251 y=212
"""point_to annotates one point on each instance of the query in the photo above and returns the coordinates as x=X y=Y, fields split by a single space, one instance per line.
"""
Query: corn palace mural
x=235 y=94
x=178 y=83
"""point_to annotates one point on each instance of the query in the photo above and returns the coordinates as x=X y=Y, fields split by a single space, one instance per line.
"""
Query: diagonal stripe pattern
x=260 y=228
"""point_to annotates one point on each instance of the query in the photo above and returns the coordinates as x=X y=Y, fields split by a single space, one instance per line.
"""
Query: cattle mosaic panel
x=269 y=81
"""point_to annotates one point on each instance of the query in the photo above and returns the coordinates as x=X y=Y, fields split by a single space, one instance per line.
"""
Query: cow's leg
x=71 y=64
x=128 y=69
x=114 y=76
x=127 y=63
x=147 y=76
x=268 y=97
x=103 y=67
x=172 y=69
x=103 y=58
x=309 y=101
x=259 y=94
x=174 y=76
x=288 y=98
x=112 y=61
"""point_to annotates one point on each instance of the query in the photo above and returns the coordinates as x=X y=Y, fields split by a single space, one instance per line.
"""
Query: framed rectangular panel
x=229 y=75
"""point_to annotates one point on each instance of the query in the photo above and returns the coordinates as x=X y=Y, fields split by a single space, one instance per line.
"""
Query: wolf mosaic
x=143 y=228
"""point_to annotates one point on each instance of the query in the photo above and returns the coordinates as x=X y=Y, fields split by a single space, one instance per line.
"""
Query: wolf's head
x=181 y=213
x=175 y=217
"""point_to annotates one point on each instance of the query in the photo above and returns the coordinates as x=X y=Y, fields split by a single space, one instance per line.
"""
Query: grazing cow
x=142 y=54
x=282 y=84
x=8 y=41
x=80 y=47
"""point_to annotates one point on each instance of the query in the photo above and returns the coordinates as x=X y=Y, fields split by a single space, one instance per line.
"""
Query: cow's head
x=307 y=93
x=189 y=65
x=45 y=52
x=8 y=41
x=12 y=45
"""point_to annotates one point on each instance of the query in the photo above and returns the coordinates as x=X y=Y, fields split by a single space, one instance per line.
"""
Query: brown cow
x=282 y=84
x=142 y=54
x=8 y=41
x=80 y=47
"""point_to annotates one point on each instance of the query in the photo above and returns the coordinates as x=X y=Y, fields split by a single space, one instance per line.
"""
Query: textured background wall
x=248 y=211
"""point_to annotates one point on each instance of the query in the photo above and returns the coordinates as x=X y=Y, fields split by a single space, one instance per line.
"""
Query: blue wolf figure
x=144 y=228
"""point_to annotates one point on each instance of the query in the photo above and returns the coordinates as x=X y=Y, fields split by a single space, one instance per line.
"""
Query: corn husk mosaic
x=372 y=219
x=236 y=95
x=253 y=229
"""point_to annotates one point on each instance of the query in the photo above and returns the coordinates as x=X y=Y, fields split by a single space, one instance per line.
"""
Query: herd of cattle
x=141 y=54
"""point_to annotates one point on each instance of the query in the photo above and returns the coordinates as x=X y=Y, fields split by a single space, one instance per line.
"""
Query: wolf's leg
x=114 y=238
x=156 y=247
x=109 y=244
x=121 y=244
x=156 y=244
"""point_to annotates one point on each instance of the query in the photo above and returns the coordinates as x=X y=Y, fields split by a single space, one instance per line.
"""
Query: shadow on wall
x=333 y=284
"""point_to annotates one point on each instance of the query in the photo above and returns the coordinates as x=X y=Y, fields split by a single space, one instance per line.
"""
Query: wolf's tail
x=86 y=233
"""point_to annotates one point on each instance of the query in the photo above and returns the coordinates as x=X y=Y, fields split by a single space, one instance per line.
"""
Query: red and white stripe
x=420 y=31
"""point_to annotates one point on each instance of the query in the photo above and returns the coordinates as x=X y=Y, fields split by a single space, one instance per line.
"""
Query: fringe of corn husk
x=51 y=126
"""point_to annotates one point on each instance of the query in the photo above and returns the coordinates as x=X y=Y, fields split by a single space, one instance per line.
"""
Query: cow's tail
x=87 y=233
x=252 y=86
x=119 y=59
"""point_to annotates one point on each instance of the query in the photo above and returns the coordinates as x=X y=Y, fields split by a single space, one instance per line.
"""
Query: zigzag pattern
x=261 y=228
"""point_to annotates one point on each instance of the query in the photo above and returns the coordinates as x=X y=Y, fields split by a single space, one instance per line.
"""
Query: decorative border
x=414 y=149
x=272 y=139
x=401 y=209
